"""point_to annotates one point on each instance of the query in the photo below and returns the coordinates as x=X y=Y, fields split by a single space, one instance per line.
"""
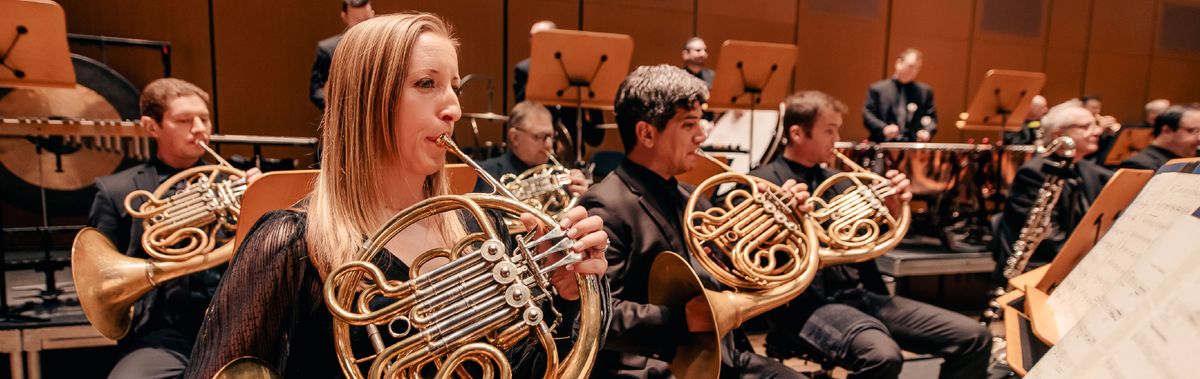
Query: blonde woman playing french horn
x=391 y=95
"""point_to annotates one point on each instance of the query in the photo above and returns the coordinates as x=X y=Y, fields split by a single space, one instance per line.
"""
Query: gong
x=65 y=170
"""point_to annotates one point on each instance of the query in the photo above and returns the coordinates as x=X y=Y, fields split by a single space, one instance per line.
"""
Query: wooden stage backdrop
x=256 y=55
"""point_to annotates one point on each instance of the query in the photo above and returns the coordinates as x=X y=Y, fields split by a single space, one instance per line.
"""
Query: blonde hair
x=364 y=88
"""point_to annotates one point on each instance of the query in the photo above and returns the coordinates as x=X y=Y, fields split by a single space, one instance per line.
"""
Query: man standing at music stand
x=353 y=12
x=900 y=109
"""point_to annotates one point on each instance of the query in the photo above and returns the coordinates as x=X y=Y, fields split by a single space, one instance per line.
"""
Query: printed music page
x=1163 y=200
x=1146 y=324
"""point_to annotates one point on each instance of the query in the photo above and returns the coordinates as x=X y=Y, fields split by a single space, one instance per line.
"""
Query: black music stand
x=744 y=78
x=590 y=68
x=35 y=54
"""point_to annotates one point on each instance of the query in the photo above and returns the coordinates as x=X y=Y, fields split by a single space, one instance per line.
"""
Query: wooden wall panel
x=941 y=30
x=183 y=23
x=655 y=42
x=1175 y=73
x=841 y=51
x=1008 y=34
x=1107 y=47
x=1119 y=56
x=750 y=20
x=1066 y=49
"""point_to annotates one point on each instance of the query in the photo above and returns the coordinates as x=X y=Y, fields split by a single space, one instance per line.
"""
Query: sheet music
x=1147 y=325
x=1164 y=198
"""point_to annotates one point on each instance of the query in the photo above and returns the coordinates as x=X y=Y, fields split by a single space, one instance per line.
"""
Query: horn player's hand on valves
x=798 y=192
x=899 y=191
x=590 y=241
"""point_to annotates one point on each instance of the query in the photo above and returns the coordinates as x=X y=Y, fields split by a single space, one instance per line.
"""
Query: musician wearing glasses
x=658 y=110
x=1083 y=181
x=846 y=315
x=1176 y=135
x=393 y=98
x=901 y=109
x=530 y=143
x=166 y=320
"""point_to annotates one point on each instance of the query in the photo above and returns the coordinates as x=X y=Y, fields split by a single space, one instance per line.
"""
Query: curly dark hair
x=653 y=94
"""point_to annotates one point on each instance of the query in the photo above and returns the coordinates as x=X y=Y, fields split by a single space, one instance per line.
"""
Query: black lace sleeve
x=255 y=306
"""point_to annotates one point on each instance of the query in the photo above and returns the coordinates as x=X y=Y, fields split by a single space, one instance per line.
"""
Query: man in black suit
x=562 y=115
x=901 y=109
x=695 y=53
x=1084 y=181
x=167 y=319
x=658 y=111
x=847 y=315
x=1176 y=135
x=530 y=141
x=1031 y=132
x=353 y=12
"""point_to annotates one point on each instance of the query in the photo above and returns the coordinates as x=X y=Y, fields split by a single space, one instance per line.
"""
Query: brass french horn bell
x=754 y=242
x=486 y=299
x=766 y=251
x=543 y=187
x=184 y=234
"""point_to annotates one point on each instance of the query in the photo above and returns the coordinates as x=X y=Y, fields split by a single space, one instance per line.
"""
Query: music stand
x=1130 y=141
x=33 y=45
x=579 y=69
x=744 y=78
x=1002 y=101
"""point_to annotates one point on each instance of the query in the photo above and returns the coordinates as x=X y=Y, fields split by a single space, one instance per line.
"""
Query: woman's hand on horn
x=591 y=242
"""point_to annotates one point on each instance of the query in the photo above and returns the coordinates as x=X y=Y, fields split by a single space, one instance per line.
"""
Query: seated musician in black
x=530 y=141
x=1087 y=178
x=658 y=113
x=1176 y=135
x=846 y=315
x=166 y=319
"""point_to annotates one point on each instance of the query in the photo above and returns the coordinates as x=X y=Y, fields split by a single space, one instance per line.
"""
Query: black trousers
x=150 y=362
x=867 y=336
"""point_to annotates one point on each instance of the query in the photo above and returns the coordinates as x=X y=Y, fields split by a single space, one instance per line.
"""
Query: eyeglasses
x=539 y=136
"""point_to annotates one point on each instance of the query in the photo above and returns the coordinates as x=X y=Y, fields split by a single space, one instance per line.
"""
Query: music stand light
x=578 y=69
x=752 y=75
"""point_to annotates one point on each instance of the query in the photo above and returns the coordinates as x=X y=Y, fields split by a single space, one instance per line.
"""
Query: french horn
x=767 y=251
x=486 y=299
x=185 y=232
x=543 y=187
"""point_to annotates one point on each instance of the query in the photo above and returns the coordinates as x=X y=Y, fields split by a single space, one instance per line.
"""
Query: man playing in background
x=353 y=12
x=530 y=142
x=900 y=109
x=166 y=320
x=1176 y=135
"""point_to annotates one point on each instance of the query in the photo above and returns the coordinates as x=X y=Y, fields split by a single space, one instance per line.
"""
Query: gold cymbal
x=79 y=167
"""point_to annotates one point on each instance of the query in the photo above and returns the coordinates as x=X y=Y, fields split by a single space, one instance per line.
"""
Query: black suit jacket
x=170 y=314
x=638 y=232
x=320 y=70
x=1151 y=158
x=830 y=282
x=881 y=109
x=497 y=167
x=1077 y=197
